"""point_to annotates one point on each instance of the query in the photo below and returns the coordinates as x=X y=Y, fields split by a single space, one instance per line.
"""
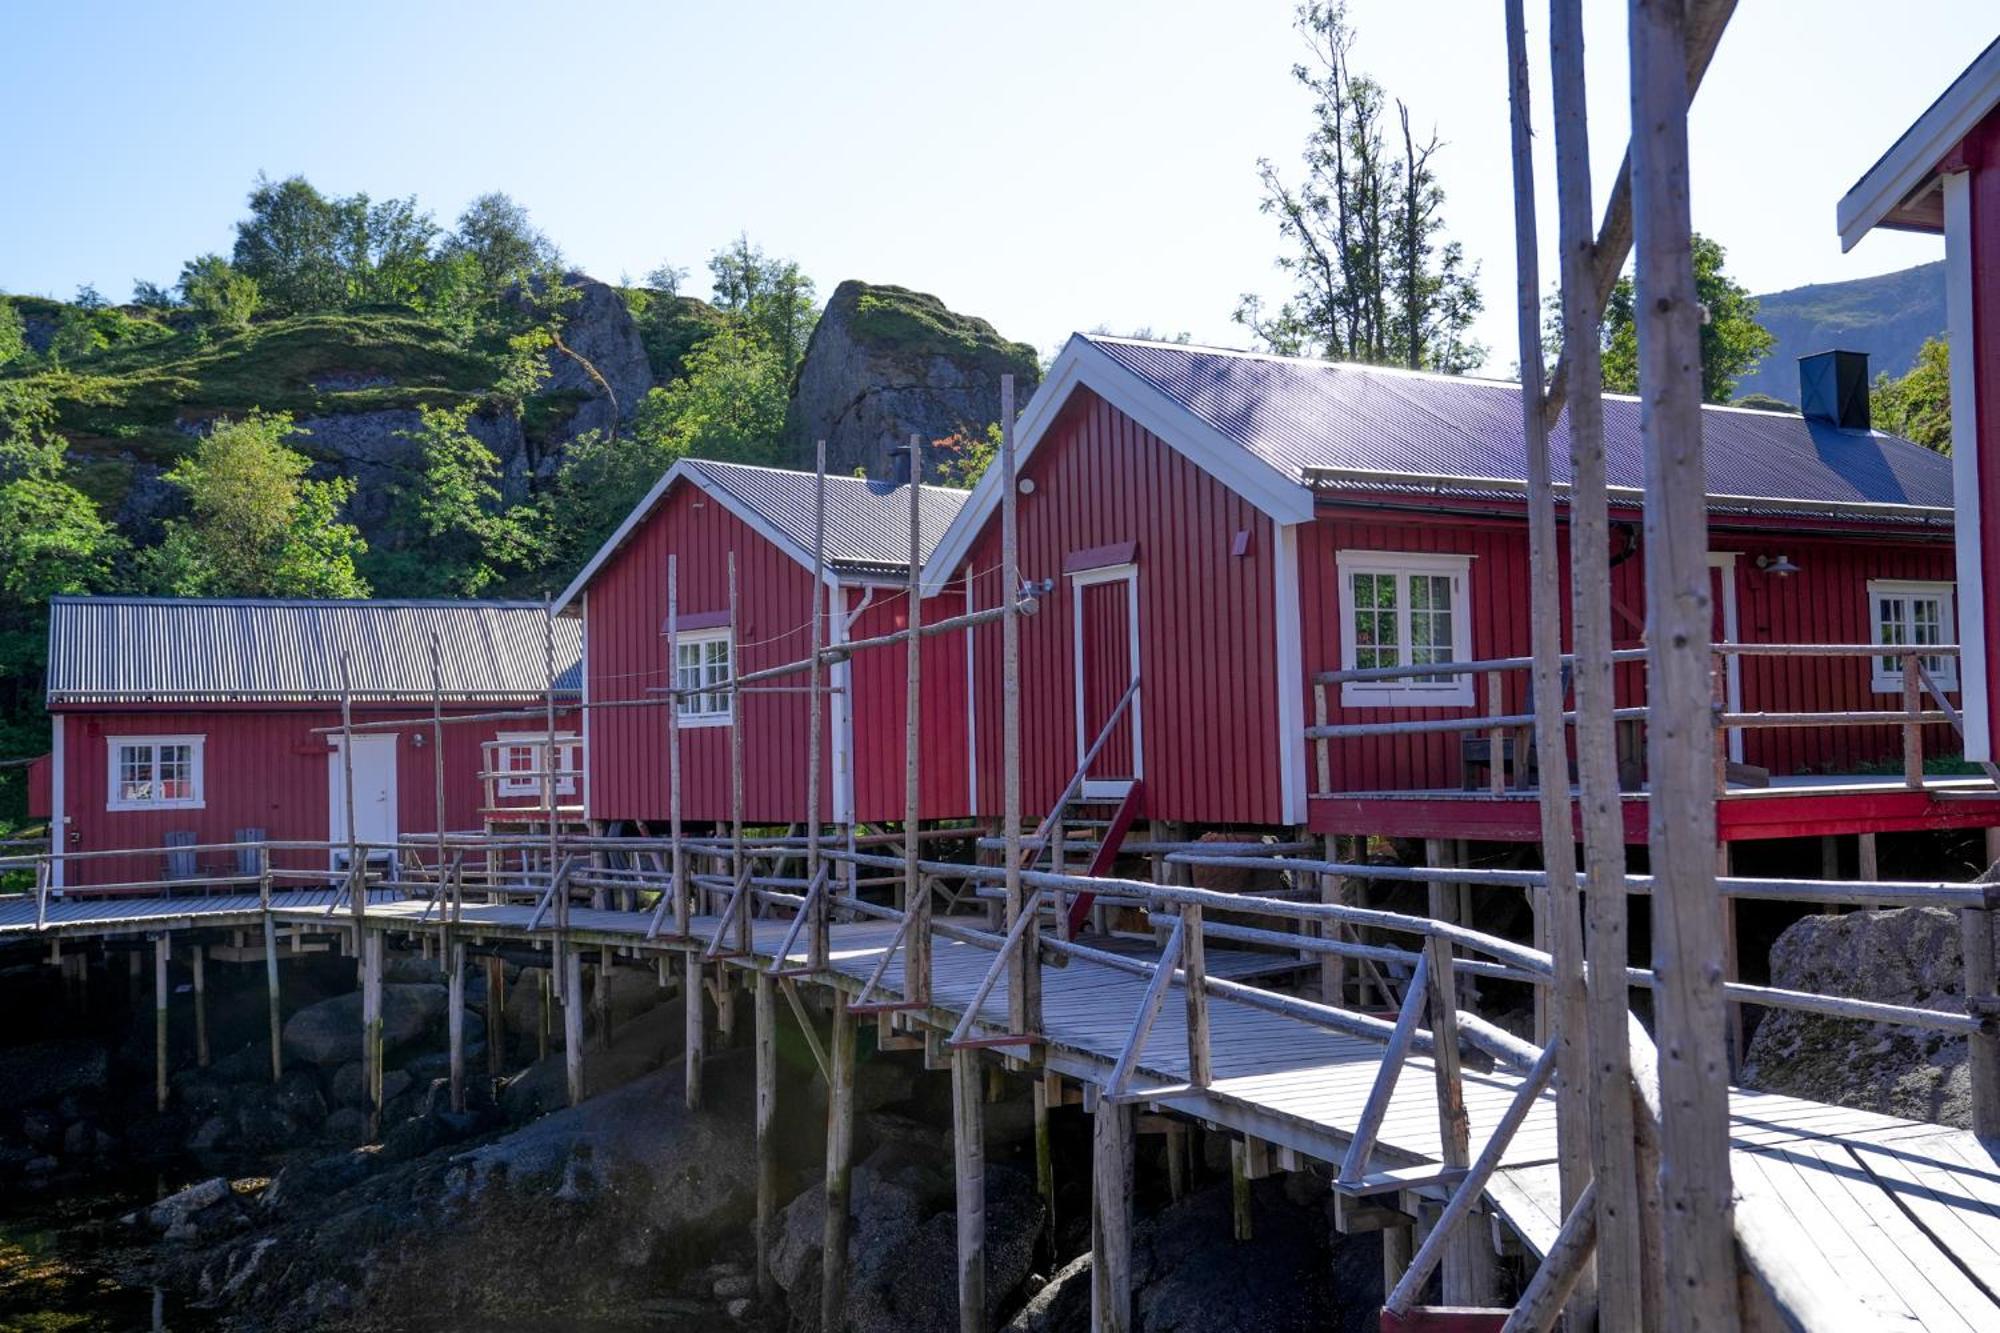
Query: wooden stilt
x=197 y=957
x=839 y=1155
x=1697 y=1201
x=455 y=1021
x=159 y=1020
x=1867 y=858
x=272 y=999
x=600 y=999
x=766 y=1024
x=1047 y=1089
x=1332 y=966
x=1983 y=1050
x=1024 y=975
x=968 y=1142
x=1398 y=1244
x=545 y=988
x=371 y=1026
x=1242 y=1226
x=697 y=1026
x=916 y=892
x=1177 y=1172
x=496 y=1014
x=1111 y=1218
x=573 y=1023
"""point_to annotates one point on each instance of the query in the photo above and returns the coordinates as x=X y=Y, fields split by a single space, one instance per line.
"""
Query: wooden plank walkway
x=1898 y=1220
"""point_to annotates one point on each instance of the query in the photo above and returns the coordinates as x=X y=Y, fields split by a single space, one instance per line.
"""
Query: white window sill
x=704 y=720
x=1894 y=685
x=126 y=806
x=1352 y=696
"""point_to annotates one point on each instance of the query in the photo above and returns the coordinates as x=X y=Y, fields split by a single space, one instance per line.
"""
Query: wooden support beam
x=1111 y=1218
x=600 y=999
x=1047 y=1092
x=1194 y=972
x=1561 y=1269
x=1177 y=1164
x=697 y=1026
x=1983 y=1051
x=496 y=1014
x=197 y=957
x=765 y=1023
x=371 y=1025
x=159 y=1020
x=968 y=1142
x=1024 y=977
x=573 y=1022
x=1691 y=1014
x=1333 y=889
x=839 y=1167
x=455 y=1019
x=1242 y=1226
x=1467 y=1260
x=272 y=1000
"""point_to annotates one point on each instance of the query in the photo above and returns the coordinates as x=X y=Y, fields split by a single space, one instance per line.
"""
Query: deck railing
x=1917 y=683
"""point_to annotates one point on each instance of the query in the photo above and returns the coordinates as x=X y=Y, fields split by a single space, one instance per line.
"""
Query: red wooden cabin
x=700 y=513
x=1238 y=524
x=1943 y=175
x=194 y=722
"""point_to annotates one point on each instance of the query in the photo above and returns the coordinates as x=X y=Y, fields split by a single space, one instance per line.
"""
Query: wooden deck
x=1897 y=1221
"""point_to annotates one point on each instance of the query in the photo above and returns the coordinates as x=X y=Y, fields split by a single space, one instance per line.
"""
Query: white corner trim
x=584 y=671
x=58 y=805
x=1081 y=363
x=1291 y=675
x=1969 y=530
x=1916 y=153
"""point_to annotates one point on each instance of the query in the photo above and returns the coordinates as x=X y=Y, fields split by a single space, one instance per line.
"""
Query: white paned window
x=702 y=659
x=155 y=773
x=1404 y=609
x=1915 y=614
x=518 y=760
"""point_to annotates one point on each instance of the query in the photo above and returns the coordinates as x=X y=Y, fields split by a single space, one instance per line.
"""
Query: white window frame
x=691 y=714
x=1451 y=692
x=197 y=775
x=1886 y=674
x=569 y=760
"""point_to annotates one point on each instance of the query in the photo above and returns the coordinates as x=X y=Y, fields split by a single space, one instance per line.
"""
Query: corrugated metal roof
x=113 y=649
x=867 y=522
x=1301 y=416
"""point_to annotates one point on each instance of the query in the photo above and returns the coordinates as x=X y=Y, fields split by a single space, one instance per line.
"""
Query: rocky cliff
x=885 y=362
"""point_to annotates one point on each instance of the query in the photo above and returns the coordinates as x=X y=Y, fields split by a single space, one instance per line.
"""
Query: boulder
x=1907 y=956
x=637 y=1047
x=884 y=362
x=598 y=327
x=329 y=1033
x=44 y=1071
x=179 y=1207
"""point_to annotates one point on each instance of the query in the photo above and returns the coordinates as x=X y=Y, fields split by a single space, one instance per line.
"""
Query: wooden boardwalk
x=1897 y=1221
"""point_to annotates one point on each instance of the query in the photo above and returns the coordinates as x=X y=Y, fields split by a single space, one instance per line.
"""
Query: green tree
x=1732 y=341
x=961 y=459
x=298 y=244
x=256 y=525
x=505 y=248
x=1917 y=404
x=219 y=293
x=457 y=537
x=13 y=333
x=153 y=295
x=1373 y=278
x=391 y=258
x=773 y=296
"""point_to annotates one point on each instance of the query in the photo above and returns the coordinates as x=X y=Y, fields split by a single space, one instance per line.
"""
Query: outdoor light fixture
x=1781 y=565
x=1026 y=485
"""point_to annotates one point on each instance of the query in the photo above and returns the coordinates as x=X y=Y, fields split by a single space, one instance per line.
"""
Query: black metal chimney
x=899 y=465
x=1833 y=387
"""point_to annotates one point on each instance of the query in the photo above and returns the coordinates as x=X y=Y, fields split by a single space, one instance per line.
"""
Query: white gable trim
x=687 y=469
x=1969 y=531
x=1913 y=157
x=1082 y=363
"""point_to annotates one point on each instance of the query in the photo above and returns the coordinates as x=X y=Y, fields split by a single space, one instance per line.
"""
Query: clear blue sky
x=1051 y=166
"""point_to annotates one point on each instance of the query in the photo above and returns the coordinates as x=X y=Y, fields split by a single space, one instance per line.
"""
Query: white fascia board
x=1915 y=155
x=1968 y=532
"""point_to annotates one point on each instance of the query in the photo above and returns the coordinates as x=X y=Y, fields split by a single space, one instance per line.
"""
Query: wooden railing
x=1501 y=728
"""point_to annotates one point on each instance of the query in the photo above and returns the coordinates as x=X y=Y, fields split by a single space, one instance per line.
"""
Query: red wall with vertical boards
x=625 y=616
x=1825 y=602
x=1208 y=648
x=263 y=767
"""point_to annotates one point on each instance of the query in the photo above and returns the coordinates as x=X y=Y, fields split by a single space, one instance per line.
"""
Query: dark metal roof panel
x=867 y=522
x=108 y=649
x=1299 y=415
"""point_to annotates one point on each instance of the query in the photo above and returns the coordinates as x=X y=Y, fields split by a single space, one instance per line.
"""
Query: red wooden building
x=195 y=722
x=1943 y=175
x=700 y=513
x=1226 y=527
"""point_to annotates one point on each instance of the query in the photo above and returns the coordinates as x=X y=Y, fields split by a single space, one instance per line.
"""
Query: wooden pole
x=765 y=1012
x=1047 y=1088
x=839 y=1164
x=678 y=885
x=272 y=999
x=1697 y=1203
x=816 y=942
x=371 y=1026
x=197 y=956
x=737 y=723
x=1242 y=1222
x=496 y=1014
x=600 y=999
x=1468 y=1260
x=1024 y=977
x=969 y=1161
x=916 y=896
x=1605 y=1057
x=1111 y=1218
x=437 y=764
x=1982 y=1051
x=1560 y=1270
x=1562 y=1008
x=455 y=1020
x=159 y=1020
x=1333 y=967
x=573 y=1024
x=357 y=881
x=697 y=1026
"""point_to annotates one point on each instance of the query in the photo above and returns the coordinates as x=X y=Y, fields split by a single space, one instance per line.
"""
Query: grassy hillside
x=1888 y=317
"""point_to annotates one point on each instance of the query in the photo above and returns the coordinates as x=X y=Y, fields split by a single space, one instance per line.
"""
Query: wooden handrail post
x=1323 y=758
x=1719 y=692
x=1194 y=966
x=1496 y=739
x=1913 y=732
x=1465 y=1260
x=1983 y=1050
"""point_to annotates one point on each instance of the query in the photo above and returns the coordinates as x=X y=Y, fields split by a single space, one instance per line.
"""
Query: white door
x=374 y=794
x=1106 y=626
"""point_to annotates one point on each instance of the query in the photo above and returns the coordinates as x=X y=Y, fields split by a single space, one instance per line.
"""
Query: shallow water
x=55 y=1277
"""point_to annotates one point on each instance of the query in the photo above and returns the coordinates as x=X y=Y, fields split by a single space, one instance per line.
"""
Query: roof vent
x=1833 y=387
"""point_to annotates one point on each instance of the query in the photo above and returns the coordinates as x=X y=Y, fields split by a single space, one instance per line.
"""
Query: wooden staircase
x=1083 y=838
